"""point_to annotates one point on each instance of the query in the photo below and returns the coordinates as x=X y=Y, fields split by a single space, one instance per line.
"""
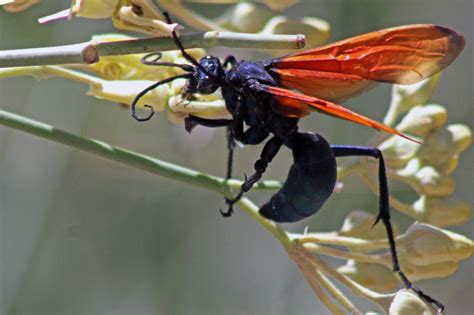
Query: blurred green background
x=83 y=235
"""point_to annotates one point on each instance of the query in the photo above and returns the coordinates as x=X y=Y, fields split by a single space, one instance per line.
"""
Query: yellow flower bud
x=438 y=147
x=424 y=244
x=14 y=6
x=124 y=92
x=316 y=30
x=373 y=276
x=420 y=120
x=410 y=169
x=448 y=166
x=404 y=97
x=406 y=302
x=462 y=136
x=94 y=9
x=360 y=224
x=441 y=211
x=397 y=151
x=245 y=17
x=433 y=183
x=433 y=271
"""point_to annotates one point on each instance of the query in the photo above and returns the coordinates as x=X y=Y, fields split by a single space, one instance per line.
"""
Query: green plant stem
x=130 y=158
x=146 y=163
x=90 y=52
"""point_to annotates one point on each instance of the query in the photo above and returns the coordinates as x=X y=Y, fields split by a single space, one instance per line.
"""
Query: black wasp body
x=312 y=176
x=261 y=99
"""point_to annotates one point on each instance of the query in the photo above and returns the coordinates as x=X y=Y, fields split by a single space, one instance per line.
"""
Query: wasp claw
x=227 y=213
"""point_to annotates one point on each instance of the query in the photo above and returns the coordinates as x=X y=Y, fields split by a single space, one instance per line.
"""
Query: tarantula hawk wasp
x=261 y=95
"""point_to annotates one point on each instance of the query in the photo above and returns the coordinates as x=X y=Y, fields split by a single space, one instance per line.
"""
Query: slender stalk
x=336 y=293
x=383 y=300
x=90 y=52
x=334 y=239
x=308 y=271
x=146 y=163
x=343 y=254
x=126 y=157
x=271 y=226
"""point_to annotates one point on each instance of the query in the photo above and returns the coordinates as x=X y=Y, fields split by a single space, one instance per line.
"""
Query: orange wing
x=401 y=55
x=292 y=104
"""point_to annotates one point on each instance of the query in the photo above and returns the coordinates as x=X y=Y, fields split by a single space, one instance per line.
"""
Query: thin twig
x=130 y=158
x=144 y=162
x=90 y=52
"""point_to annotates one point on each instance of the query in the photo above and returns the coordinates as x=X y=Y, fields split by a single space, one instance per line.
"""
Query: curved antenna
x=148 y=89
x=188 y=57
x=157 y=56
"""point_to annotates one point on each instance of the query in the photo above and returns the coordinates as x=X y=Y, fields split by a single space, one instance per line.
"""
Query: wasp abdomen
x=310 y=181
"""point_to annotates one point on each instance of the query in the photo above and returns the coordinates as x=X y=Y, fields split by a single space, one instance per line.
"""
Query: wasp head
x=206 y=82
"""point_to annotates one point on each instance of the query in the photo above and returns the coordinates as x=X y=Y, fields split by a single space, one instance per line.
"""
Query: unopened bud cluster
x=426 y=168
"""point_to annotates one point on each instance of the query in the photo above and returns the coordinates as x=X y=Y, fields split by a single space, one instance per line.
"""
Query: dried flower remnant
x=140 y=16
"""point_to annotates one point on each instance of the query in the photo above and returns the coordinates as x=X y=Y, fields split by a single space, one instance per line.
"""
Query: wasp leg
x=192 y=121
x=230 y=151
x=384 y=211
x=269 y=151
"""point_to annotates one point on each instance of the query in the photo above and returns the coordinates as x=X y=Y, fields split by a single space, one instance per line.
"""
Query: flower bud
x=448 y=166
x=360 y=224
x=438 y=147
x=462 y=136
x=420 y=120
x=433 y=183
x=397 y=151
x=316 y=30
x=124 y=92
x=404 y=97
x=441 y=211
x=406 y=302
x=94 y=9
x=410 y=169
x=422 y=272
x=121 y=67
x=373 y=276
x=424 y=244
x=245 y=17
